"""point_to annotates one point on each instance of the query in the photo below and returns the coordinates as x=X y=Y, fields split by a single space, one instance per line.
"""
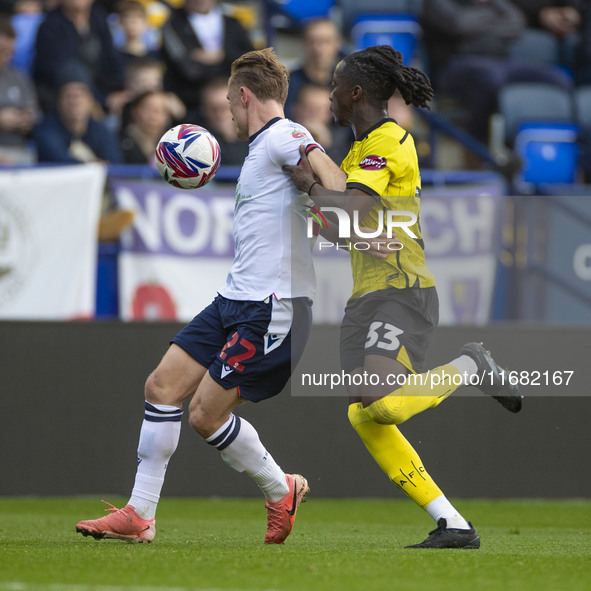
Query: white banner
x=48 y=241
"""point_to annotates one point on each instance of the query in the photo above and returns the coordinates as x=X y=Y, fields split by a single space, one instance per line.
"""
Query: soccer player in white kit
x=242 y=346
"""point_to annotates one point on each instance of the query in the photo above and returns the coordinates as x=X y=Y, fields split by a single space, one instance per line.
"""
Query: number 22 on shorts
x=389 y=339
x=234 y=361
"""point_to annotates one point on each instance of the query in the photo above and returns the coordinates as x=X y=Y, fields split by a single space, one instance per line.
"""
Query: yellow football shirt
x=384 y=164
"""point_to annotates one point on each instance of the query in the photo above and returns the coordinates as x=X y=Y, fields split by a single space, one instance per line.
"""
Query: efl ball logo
x=373 y=163
x=188 y=156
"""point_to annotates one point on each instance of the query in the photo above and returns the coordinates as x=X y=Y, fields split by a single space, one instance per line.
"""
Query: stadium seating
x=402 y=32
x=25 y=26
x=549 y=152
x=536 y=46
x=527 y=101
x=583 y=112
x=540 y=124
x=301 y=10
x=353 y=10
x=583 y=106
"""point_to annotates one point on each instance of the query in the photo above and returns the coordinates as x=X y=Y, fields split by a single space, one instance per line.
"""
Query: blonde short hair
x=262 y=73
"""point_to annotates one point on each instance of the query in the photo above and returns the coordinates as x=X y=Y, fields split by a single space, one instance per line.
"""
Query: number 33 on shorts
x=383 y=335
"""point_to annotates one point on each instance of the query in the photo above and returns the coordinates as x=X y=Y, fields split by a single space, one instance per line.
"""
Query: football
x=188 y=156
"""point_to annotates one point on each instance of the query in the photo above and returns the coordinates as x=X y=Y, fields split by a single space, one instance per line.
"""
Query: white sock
x=159 y=437
x=441 y=507
x=466 y=366
x=241 y=448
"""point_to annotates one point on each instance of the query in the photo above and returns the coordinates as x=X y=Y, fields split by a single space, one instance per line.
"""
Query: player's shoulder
x=288 y=130
x=384 y=132
x=386 y=142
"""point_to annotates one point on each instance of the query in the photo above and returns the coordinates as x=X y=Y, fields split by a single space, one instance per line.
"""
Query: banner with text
x=462 y=232
x=180 y=249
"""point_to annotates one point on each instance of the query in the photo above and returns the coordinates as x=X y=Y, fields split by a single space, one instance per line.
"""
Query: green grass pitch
x=216 y=544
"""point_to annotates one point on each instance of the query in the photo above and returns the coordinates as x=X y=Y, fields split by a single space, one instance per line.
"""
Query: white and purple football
x=188 y=156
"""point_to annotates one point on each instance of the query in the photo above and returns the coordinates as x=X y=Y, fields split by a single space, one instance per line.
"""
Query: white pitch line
x=19 y=586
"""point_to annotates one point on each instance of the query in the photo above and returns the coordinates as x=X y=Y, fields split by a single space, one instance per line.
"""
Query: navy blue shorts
x=253 y=346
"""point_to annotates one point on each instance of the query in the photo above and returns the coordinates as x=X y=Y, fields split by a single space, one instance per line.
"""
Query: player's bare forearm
x=308 y=176
x=324 y=197
x=330 y=176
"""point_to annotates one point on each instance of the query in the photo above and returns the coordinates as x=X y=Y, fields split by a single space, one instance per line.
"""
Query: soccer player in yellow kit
x=393 y=310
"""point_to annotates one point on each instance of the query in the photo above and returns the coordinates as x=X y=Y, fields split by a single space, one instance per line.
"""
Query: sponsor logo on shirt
x=373 y=162
x=297 y=134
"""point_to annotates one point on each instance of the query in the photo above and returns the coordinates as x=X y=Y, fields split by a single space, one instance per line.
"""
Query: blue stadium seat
x=549 y=152
x=302 y=10
x=25 y=26
x=354 y=10
x=402 y=32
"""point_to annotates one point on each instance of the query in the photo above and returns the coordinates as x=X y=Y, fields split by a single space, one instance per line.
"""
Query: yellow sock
x=419 y=392
x=395 y=456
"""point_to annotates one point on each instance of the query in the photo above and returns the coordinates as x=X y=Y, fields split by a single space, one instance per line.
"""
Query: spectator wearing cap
x=72 y=134
x=77 y=30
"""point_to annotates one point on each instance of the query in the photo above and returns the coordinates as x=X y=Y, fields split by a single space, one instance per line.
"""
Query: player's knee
x=389 y=410
x=156 y=392
x=200 y=422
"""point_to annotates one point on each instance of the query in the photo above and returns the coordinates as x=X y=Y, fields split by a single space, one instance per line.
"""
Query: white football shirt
x=272 y=253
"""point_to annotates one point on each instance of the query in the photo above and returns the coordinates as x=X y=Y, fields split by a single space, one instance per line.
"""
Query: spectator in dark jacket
x=567 y=24
x=76 y=31
x=583 y=54
x=468 y=43
x=199 y=44
x=559 y=17
x=72 y=135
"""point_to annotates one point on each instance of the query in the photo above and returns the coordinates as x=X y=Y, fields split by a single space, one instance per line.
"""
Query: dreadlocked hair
x=379 y=70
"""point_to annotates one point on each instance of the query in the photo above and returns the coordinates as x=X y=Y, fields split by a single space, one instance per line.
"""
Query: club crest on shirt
x=373 y=162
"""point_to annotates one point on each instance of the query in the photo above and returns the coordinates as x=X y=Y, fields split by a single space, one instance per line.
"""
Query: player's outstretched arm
x=309 y=177
x=305 y=179
x=326 y=170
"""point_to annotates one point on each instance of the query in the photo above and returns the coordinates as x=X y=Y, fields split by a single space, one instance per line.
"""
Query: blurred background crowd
x=101 y=80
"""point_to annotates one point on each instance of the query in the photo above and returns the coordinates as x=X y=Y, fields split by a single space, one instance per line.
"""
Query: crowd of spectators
x=104 y=78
